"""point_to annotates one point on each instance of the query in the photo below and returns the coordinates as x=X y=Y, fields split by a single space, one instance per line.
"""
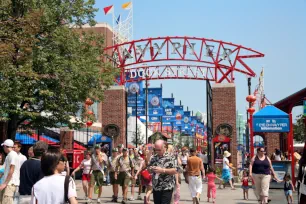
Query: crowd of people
x=157 y=170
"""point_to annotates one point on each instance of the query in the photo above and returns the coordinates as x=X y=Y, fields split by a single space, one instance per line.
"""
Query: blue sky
x=276 y=28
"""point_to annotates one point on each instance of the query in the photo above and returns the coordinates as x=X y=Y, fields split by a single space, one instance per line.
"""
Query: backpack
x=66 y=186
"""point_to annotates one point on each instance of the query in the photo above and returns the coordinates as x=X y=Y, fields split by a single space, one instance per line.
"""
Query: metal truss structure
x=181 y=58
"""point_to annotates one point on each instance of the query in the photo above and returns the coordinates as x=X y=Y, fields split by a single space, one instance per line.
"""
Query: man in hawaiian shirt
x=164 y=167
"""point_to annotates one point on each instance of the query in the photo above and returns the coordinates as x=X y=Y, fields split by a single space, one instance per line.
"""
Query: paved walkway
x=227 y=195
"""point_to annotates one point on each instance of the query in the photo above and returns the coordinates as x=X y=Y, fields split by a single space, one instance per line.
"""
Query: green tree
x=48 y=67
x=299 y=129
x=140 y=137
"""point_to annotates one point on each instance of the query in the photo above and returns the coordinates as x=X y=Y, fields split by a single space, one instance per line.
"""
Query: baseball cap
x=120 y=145
x=8 y=143
x=125 y=149
x=115 y=150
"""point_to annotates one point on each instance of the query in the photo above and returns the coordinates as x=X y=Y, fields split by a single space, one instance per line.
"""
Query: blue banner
x=154 y=119
x=155 y=101
x=167 y=124
x=186 y=118
x=179 y=114
x=304 y=107
x=133 y=88
x=141 y=111
x=168 y=105
x=271 y=124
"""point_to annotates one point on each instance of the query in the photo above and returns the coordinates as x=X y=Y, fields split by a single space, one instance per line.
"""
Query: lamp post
x=88 y=124
x=136 y=132
x=251 y=99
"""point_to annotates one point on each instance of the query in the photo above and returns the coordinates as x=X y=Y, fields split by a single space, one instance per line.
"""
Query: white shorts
x=195 y=185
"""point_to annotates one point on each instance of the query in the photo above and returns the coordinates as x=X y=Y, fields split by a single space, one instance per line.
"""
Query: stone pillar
x=114 y=111
x=67 y=139
x=224 y=112
x=273 y=141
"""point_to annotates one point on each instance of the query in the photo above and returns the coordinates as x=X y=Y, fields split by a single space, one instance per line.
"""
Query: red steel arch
x=181 y=58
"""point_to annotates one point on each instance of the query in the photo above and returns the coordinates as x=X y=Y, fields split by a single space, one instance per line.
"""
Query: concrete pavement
x=227 y=195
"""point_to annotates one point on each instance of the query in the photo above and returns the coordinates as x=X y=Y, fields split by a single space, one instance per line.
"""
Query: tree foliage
x=48 y=67
x=299 y=129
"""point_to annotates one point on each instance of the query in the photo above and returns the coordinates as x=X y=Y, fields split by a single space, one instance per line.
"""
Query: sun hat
x=8 y=143
x=125 y=149
x=97 y=146
x=226 y=154
x=115 y=150
x=120 y=146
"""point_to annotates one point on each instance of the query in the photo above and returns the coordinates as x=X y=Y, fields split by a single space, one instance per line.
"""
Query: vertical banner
x=193 y=123
x=134 y=88
x=186 y=120
x=168 y=105
x=178 y=114
x=155 y=101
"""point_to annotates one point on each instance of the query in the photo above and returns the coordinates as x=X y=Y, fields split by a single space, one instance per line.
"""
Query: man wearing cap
x=137 y=165
x=112 y=167
x=97 y=175
x=11 y=174
x=120 y=148
x=125 y=167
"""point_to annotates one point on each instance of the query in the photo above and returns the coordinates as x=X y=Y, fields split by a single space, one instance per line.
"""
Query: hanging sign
x=168 y=105
x=304 y=107
x=133 y=89
x=271 y=124
x=178 y=114
x=154 y=119
x=141 y=111
x=155 y=101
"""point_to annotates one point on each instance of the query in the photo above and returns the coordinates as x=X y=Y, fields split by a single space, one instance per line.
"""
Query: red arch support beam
x=181 y=58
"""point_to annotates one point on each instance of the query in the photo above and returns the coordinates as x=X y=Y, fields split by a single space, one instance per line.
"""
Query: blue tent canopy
x=99 y=138
x=25 y=139
x=271 y=119
x=270 y=112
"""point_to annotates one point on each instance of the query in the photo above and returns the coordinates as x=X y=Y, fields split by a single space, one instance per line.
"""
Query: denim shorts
x=288 y=193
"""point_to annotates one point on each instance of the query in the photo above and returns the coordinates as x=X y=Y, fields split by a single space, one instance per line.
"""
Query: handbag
x=302 y=189
x=146 y=175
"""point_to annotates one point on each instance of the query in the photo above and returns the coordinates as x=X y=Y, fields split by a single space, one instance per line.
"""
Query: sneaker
x=88 y=200
x=108 y=184
x=99 y=200
x=131 y=199
x=139 y=197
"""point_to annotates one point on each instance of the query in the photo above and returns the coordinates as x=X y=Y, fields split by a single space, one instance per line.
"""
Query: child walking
x=288 y=188
x=245 y=185
x=211 y=186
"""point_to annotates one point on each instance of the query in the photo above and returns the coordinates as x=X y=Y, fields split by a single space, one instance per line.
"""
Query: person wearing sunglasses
x=51 y=188
x=261 y=170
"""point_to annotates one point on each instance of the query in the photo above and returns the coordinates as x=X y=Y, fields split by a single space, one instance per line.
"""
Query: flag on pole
x=118 y=19
x=109 y=9
x=127 y=5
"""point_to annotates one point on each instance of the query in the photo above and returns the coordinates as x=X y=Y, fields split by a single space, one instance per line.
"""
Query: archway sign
x=180 y=58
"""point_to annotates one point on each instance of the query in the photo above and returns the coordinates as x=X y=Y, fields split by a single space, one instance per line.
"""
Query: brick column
x=67 y=139
x=114 y=111
x=224 y=111
x=273 y=141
